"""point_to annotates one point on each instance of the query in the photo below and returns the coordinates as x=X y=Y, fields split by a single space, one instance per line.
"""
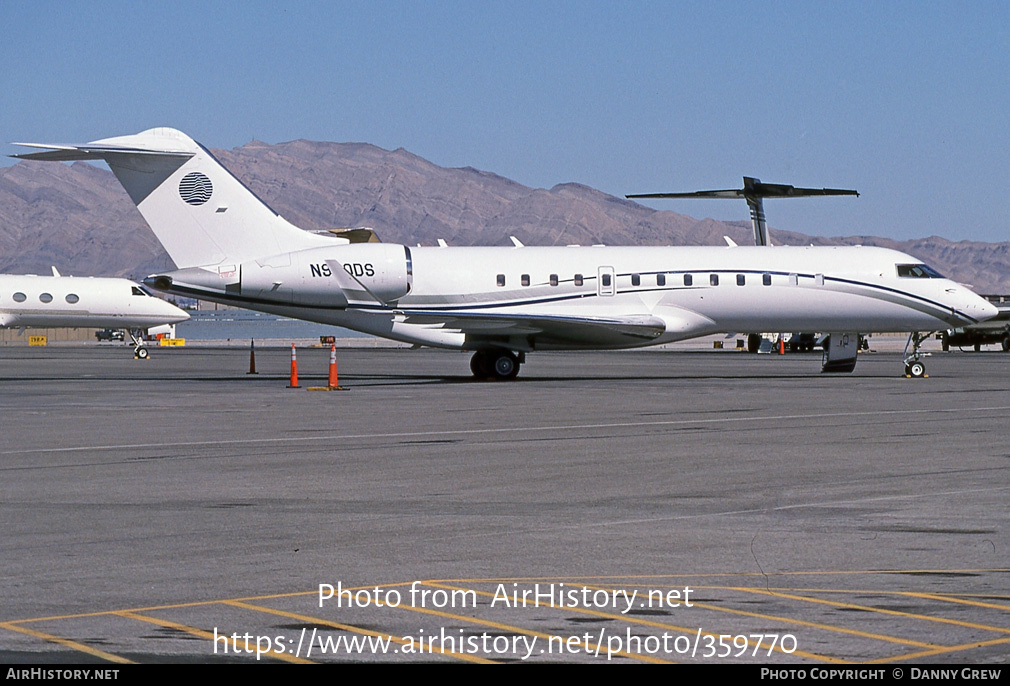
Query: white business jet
x=505 y=302
x=31 y=301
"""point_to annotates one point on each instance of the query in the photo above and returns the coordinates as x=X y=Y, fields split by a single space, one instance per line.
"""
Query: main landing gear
x=914 y=368
x=139 y=351
x=502 y=365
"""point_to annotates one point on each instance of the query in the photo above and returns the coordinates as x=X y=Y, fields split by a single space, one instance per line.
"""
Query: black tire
x=945 y=343
x=479 y=365
x=916 y=370
x=1005 y=343
x=978 y=347
x=505 y=365
x=142 y=353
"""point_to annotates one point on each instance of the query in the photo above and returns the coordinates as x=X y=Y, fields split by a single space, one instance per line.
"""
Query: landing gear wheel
x=506 y=366
x=914 y=368
x=479 y=365
x=1005 y=344
x=495 y=364
x=141 y=353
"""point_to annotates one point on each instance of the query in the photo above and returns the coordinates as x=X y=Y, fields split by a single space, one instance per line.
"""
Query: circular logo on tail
x=195 y=188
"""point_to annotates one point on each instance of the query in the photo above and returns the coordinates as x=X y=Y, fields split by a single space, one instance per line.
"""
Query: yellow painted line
x=964 y=598
x=718 y=575
x=599 y=579
x=206 y=634
x=785 y=593
x=80 y=647
x=814 y=625
x=356 y=630
x=867 y=608
x=941 y=651
x=105 y=613
x=200 y=603
x=956 y=600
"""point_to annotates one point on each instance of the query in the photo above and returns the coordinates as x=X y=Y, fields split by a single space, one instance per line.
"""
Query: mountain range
x=79 y=218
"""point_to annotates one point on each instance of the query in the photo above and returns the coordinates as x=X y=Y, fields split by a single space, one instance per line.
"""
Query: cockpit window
x=138 y=291
x=918 y=271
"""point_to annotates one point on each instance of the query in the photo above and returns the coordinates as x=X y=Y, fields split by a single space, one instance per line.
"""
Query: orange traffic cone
x=252 y=357
x=294 y=369
x=782 y=346
x=331 y=384
x=333 y=366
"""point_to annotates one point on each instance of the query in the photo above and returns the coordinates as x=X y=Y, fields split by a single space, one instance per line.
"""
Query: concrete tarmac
x=669 y=506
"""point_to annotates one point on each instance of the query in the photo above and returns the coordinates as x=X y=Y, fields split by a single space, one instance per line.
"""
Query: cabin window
x=525 y=279
x=46 y=297
x=606 y=280
x=766 y=279
x=917 y=271
x=713 y=279
x=794 y=279
x=660 y=279
x=578 y=279
x=741 y=280
x=72 y=298
x=636 y=280
x=20 y=297
x=554 y=279
x=501 y=280
x=688 y=279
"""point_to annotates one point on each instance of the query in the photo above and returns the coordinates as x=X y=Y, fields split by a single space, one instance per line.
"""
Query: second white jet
x=28 y=301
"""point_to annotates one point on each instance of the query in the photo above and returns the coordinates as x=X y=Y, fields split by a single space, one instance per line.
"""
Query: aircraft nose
x=986 y=309
x=173 y=314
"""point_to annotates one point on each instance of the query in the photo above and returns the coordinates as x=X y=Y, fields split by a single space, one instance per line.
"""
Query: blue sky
x=906 y=102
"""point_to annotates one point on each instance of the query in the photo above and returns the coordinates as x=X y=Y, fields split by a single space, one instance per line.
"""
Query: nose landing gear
x=914 y=367
x=139 y=351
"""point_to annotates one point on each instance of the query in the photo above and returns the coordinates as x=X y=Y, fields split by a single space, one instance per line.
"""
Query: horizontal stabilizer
x=754 y=192
x=87 y=151
x=753 y=188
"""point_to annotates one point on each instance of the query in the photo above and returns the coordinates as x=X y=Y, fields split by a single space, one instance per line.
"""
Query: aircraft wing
x=603 y=330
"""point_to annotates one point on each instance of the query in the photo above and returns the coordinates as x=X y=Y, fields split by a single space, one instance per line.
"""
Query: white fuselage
x=472 y=297
x=67 y=301
x=230 y=247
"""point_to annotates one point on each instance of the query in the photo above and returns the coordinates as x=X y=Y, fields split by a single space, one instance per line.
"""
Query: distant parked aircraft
x=69 y=301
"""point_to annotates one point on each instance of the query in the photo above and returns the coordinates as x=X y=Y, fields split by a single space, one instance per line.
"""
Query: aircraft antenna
x=754 y=192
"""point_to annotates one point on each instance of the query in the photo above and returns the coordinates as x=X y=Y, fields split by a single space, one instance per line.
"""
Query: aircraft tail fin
x=201 y=213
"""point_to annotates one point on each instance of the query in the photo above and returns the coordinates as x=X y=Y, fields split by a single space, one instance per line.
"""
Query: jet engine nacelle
x=371 y=272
